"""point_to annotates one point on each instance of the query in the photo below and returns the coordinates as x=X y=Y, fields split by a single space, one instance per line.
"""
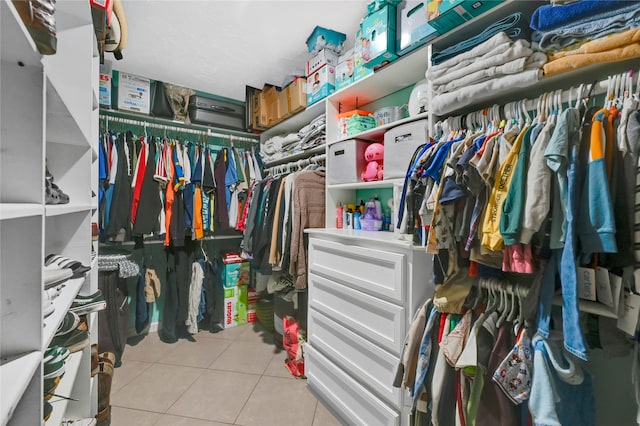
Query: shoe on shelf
x=38 y=17
x=70 y=322
x=75 y=340
x=47 y=409
x=89 y=421
x=50 y=386
x=53 y=276
x=95 y=359
x=85 y=304
x=53 y=363
x=54 y=292
x=55 y=261
x=47 y=305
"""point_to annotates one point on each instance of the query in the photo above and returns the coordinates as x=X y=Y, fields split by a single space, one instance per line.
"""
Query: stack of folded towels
x=310 y=136
x=581 y=33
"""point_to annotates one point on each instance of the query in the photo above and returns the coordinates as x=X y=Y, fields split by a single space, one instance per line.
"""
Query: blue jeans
x=565 y=261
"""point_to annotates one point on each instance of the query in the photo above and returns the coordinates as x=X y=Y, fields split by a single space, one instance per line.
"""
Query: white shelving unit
x=47 y=116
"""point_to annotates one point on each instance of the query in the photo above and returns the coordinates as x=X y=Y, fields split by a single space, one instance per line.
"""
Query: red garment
x=242 y=223
x=137 y=189
x=169 y=197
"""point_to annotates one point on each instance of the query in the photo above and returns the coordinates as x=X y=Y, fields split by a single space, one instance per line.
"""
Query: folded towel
x=573 y=62
x=465 y=96
x=549 y=16
x=596 y=27
x=602 y=44
x=513 y=26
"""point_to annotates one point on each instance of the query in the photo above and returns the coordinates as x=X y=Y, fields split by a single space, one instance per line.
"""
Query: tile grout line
x=247 y=401
x=315 y=410
x=188 y=387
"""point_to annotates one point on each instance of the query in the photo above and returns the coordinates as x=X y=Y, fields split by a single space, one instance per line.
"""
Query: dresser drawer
x=379 y=321
x=355 y=404
x=368 y=362
x=377 y=272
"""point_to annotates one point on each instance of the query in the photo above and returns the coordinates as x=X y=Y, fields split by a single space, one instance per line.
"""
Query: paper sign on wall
x=603 y=287
x=616 y=291
x=134 y=93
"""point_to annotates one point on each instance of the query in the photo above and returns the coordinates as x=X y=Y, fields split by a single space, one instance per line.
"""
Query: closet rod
x=286 y=167
x=203 y=130
x=131 y=243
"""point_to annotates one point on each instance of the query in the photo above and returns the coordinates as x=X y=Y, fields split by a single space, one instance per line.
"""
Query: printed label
x=587 y=284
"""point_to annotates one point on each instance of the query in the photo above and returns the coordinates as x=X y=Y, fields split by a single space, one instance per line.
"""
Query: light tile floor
x=234 y=377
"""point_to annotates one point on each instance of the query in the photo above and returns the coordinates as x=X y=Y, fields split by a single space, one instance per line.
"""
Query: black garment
x=221 y=211
x=120 y=214
x=142 y=309
x=247 y=241
x=208 y=182
x=214 y=294
x=113 y=322
x=286 y=250
x=264 y=249
x=177 y=228
x=176 y=302
x=149 y=205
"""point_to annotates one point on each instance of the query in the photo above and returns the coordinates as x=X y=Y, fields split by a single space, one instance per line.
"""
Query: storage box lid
x=354 y=112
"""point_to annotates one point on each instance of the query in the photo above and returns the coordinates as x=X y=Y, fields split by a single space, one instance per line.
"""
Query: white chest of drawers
x=363 y=293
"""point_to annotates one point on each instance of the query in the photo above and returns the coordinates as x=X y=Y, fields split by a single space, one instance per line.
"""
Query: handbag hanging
x=160 y=105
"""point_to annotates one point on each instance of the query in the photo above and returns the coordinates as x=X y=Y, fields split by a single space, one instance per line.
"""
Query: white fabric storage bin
x=346 y=161
x=399 y=145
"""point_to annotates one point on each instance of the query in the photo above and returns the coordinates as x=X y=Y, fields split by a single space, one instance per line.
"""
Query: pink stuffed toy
x=374 y=155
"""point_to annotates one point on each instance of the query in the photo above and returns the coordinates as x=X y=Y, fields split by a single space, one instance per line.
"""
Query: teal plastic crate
x=379 y=37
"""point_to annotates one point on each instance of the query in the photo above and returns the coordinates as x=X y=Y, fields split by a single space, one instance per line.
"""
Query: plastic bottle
x=361 y=207
x=356 y=220
x=339 y=216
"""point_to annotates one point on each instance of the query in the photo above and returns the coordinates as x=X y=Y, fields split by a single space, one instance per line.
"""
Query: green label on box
x=229 y=292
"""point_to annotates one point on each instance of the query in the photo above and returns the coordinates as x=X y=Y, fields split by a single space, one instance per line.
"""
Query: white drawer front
x=379 y=321
x=380 y=273
x=364 y=360
x=352 y=402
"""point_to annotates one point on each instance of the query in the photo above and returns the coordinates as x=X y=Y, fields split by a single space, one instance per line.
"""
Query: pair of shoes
x=53 y=363
x=47 y=304
x=50 y=386
x=105 y=377
x=58 y=262
x=47 y=409
x=85 y=304
x=72 y=334
x=80 y=422
x=53 y=277
x=53 y=194
x=37 y=16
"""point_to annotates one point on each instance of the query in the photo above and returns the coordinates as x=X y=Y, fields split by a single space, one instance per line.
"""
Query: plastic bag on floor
x=293 y=341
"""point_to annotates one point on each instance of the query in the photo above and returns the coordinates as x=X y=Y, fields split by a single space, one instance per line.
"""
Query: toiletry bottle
x=339 y=216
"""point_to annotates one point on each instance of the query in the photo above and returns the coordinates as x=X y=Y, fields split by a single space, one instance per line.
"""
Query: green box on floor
x=236 y=306
x=445 y=15
x=236 y=274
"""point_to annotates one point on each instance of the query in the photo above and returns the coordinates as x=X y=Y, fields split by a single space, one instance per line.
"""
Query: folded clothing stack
x=586 y=32
x=496 y=65
x=310 y=136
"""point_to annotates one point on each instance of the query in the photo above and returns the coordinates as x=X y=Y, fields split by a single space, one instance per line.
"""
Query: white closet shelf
x=93 y=327
x=294 y=123
x=62 y=303
x=401 y=73
x=15 y=375
x=377 y=133
x=65 y=388
x=94 y=263
x=60 y=209
x=367 y=185
x=19 y=210
x=17 y=44
x=378 y=236
x=62 y=128
x=589 y=307
x=72 y=14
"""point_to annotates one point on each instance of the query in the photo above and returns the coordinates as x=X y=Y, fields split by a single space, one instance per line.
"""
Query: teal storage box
x=237 y=274
x=413 y=26
x=445 y=15
x=322 y=38
x=359 y=70
x=345 y=70
x=379 y=37
x=321 y=84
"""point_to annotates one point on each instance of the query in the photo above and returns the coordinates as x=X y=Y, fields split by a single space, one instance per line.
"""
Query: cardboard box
x=345 y=70
x=321 y=84
x=379 y=37
x=283 y=104
x=252 y=300
x=359 y=70
x=252 y=101
x=322 y=37
x=235 y=306
x=134 y=93
x=324 y=57
x=269 y=112
x=447 y=15
x=297 y=93
x=413 y=29
x=236 y=274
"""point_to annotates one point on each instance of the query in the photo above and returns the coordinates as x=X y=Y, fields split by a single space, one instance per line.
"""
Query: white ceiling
x=219 y=46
